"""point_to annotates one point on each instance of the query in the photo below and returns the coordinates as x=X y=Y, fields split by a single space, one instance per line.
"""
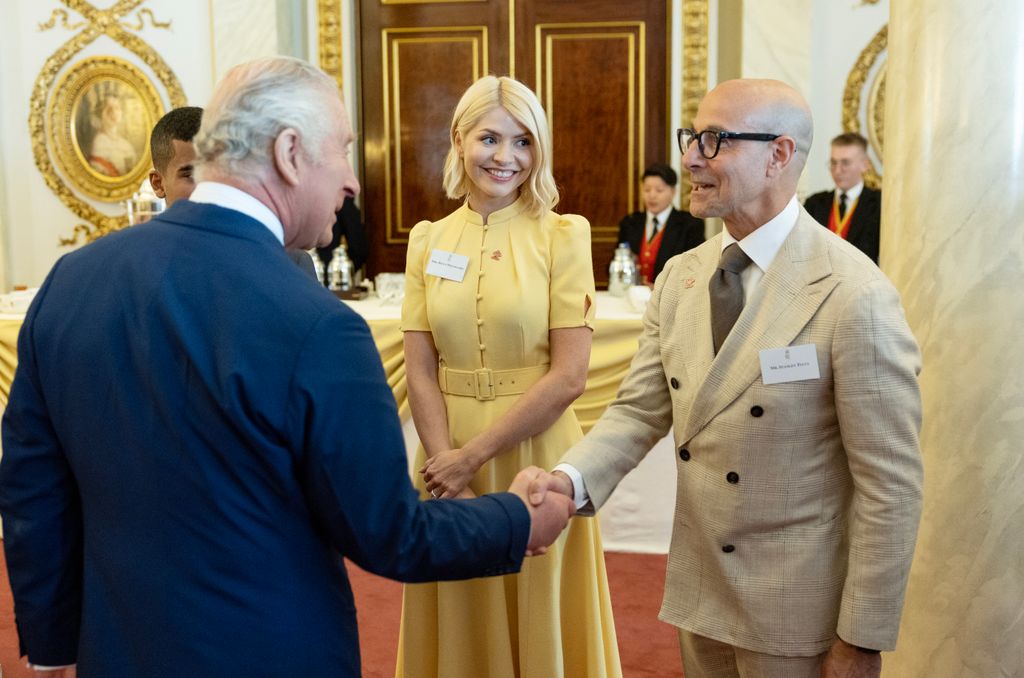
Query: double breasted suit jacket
x=188 y=455
x=864 y=222
x=797 y=503
x=683 y=231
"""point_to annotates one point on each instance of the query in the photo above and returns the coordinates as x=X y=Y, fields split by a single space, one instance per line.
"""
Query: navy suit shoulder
x=176 y=450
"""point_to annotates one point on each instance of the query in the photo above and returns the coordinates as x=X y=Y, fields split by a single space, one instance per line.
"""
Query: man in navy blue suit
x=181 y=476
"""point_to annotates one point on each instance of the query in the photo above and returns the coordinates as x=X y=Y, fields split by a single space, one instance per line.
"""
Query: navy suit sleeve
x=356 y=472
x=42 y=517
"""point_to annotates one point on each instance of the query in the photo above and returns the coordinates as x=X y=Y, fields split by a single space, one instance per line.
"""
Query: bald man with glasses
x=778 y=357
x=852 y=211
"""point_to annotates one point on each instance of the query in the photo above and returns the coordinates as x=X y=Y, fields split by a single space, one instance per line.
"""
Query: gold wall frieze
x=61 y=14
x=329 y=29
x=695 y=72
x=874 y=118
x=97 y=22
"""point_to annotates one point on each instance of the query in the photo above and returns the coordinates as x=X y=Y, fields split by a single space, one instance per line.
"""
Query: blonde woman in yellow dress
x=497 y=325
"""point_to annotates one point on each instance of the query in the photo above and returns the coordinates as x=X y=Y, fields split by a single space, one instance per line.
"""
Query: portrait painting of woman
x=110 y=129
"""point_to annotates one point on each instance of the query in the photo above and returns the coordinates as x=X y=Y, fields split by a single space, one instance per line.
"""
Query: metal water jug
x=622 y=272
x=340 y=272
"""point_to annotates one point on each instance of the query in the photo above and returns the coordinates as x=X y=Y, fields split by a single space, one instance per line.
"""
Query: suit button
x=756 y=411
x=674 y=382
x=728 y=548
x=684 y=454
x=732 y=477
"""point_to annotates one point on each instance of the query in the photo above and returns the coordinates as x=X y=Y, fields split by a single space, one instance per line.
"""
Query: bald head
x=771 y=106
x=750 y=179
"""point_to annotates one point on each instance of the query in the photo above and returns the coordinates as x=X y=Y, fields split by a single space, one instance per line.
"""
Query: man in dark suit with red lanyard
x=852 y=211
x=659 y=232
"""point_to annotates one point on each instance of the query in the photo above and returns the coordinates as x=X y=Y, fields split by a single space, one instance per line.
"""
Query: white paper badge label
x=790 y=363
x=447 y=265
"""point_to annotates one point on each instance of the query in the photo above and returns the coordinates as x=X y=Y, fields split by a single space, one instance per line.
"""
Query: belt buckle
x=483 y=382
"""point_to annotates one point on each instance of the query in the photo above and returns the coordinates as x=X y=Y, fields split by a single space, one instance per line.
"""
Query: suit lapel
x=673 y=230
x=789 y=294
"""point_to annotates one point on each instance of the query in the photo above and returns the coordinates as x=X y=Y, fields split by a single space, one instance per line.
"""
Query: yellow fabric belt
x=487 y=384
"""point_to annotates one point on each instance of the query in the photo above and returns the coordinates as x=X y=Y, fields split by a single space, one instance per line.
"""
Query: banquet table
x=637 y=517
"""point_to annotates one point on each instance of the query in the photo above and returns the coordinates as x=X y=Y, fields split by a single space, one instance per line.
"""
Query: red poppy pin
x=496 y=255
x=688 y=283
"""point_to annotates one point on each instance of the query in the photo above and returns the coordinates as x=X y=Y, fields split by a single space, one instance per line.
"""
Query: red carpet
x=647 y=646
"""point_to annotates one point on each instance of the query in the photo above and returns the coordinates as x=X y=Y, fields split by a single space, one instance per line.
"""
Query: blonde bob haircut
x=482 y=97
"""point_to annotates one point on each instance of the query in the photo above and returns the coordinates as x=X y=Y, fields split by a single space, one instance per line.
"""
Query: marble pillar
x=953 y=243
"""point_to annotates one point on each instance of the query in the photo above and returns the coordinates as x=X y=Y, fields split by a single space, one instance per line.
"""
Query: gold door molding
x=867 y=80
x=393 y=40
x=632 y=37
x=95 y=23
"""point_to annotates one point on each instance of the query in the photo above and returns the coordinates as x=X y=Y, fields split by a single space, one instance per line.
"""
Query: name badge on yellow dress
x=790 y=363
x=447 y=265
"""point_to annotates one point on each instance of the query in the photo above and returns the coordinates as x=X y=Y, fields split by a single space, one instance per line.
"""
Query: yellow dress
x=553 y=619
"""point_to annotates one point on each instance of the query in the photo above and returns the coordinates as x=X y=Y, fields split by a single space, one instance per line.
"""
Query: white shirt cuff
x=39 y=667
x=579 y=491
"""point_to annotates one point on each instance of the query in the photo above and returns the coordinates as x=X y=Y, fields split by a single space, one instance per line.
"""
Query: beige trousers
x=706 y=658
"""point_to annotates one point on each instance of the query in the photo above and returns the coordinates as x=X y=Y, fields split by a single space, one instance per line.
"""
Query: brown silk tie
x=726 y=290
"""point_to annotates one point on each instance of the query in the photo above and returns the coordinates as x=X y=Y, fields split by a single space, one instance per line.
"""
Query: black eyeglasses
x=709 y=140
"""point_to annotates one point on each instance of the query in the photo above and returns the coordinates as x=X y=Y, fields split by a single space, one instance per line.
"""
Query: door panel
x=598 y=66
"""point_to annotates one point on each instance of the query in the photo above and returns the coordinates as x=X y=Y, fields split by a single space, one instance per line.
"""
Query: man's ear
x=287 y=152
x=156 y=180
x=783 y=150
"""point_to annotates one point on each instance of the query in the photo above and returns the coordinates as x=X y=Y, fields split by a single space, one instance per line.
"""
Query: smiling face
x=497 y=156
x=750 y=181
x=730 y=184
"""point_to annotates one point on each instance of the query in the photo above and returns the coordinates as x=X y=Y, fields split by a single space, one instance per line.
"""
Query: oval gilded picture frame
x=98 y=121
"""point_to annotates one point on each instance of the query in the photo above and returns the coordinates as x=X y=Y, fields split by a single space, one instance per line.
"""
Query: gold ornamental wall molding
x=98 y=78
x=329 y=26
x=874 y=113
x=695 y=73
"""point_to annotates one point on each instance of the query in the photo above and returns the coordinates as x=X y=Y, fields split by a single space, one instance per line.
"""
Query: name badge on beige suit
x=789 y=363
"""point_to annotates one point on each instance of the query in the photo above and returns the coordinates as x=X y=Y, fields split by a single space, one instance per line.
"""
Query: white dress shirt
x=662 y=217
x=761 y=246
x=851 y=194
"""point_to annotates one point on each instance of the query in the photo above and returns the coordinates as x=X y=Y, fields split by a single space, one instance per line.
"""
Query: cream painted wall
x=813 y=45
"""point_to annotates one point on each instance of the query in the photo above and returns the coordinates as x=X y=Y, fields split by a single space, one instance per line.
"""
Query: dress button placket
x=480 y=295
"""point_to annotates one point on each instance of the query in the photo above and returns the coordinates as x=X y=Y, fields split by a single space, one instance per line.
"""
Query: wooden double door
x=599 y=67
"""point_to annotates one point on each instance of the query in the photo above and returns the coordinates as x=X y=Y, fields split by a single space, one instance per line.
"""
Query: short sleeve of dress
x=572 y=274
x=414 y=305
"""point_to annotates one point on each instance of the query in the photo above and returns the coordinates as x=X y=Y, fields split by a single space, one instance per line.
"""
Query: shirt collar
x=853 y=193
x=662 y=216
x=229 y=197
x=764 y=243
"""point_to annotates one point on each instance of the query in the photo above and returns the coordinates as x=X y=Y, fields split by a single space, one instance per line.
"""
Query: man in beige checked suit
x=799 y=472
